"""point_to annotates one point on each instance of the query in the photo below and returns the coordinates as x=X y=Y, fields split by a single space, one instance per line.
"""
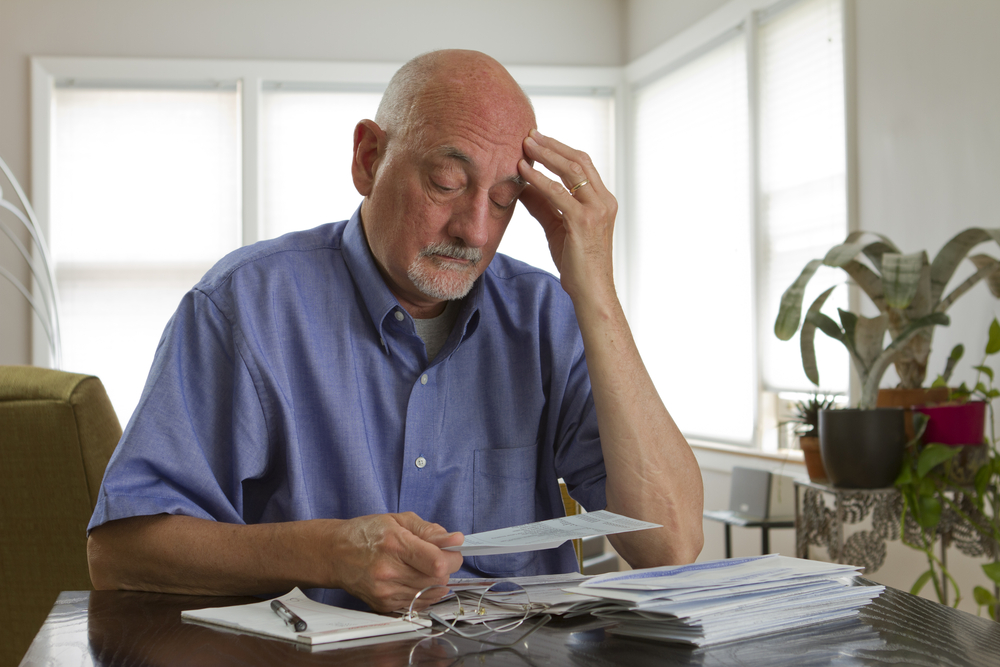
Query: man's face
x=442 y=197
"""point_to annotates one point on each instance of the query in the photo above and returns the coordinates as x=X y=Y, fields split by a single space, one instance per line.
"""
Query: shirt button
x=399 y=315
x=423 y=379
x=421 y=462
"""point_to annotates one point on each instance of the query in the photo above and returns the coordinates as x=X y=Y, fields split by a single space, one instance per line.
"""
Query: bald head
x=426 y=83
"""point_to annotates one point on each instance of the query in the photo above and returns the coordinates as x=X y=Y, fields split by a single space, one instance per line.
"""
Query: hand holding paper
x=548 y=534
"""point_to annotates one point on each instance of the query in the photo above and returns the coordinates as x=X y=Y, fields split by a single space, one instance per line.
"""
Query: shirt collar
x=378 y=300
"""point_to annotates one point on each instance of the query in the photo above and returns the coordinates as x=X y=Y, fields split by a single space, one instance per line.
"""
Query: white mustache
x=454 y=251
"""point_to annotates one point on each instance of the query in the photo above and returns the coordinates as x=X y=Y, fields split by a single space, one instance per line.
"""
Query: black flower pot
x=862 y=449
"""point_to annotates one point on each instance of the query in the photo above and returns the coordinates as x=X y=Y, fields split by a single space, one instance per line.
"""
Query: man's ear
x=369 y=144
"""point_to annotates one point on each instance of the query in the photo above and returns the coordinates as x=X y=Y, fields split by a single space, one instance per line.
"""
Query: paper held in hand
x=548 y=534
x=325 y=623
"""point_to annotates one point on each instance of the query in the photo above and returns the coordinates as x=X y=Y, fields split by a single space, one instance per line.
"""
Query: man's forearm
x=652 y=472
x=181 y=554
x=382 y=559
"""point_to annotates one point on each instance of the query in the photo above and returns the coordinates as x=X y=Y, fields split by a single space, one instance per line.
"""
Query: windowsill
x=781 y=455
x=719 y=457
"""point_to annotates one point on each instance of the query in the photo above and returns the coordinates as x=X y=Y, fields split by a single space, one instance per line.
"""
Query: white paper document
x=325 y=623
x=548 y=534
x=726 y=600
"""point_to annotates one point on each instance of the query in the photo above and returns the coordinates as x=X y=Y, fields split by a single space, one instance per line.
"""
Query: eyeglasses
x=503 y=601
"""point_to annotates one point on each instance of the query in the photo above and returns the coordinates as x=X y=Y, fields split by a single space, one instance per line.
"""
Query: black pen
x=288 y=616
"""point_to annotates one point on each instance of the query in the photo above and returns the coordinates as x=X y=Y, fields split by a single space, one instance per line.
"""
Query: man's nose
x=470 y=219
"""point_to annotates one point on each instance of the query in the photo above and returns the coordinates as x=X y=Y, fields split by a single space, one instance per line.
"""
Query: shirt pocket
x=504 y=496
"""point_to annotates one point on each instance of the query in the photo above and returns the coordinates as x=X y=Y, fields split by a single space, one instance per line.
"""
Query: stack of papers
x=724 y=600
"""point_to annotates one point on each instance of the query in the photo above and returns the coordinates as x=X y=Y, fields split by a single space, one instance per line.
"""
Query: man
x=324 y=408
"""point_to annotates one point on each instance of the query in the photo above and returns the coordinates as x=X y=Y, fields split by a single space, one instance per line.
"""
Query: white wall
x=516 y=32
x=649 y=23
x=928 y=128
x=928 y=146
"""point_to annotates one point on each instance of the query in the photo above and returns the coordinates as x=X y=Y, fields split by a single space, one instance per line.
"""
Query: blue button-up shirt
x=291 y=385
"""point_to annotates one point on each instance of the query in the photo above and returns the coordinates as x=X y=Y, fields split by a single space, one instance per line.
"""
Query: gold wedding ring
x=578 y=186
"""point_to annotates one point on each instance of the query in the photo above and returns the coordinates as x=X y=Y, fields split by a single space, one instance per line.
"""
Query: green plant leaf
x=807 y=338
x=929 y=512
x=841 y=254
x=980 y=388
x=874 y=252
x=901 y=277
x=951 y=254
x=992 y=267
x=904 y=477
x=933 y=455
x=985 y=370
x=850 y=322
x=982 y=479
x=869 y=385
x=869 y=281
x=869 y=337
x=826 y=324
x=983 y=596
x=920 y=582
x=992 y=571
x=787 y=322
x=993 y=345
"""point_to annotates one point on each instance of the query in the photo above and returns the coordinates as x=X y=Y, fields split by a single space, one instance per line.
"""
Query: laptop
x=757 y=495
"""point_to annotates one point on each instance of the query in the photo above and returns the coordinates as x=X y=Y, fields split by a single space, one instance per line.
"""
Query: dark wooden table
x=122 y=628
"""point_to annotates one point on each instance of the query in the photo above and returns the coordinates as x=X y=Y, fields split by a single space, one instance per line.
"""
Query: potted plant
x=961 y=480
x=807 y=418
x=907 y=289
x=863 y=448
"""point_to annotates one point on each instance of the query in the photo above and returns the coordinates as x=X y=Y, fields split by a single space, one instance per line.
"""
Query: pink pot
x=963 y=424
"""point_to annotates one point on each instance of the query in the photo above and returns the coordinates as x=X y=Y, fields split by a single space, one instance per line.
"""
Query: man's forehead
x=450 y=152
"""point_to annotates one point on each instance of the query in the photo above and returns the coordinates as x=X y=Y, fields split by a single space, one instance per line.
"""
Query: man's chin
x=444 y=285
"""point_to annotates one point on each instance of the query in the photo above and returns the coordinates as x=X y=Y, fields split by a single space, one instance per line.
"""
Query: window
x=156 y=170
x=695 y=290
x=145 y=198
x=739 y=180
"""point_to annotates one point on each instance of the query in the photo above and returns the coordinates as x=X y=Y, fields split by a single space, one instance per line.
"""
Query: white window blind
x=691 y=304
x=803 y=210
x=144 y=198
x=307 y=139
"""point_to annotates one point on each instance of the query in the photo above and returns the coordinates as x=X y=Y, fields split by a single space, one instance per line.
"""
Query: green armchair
x=57 y=432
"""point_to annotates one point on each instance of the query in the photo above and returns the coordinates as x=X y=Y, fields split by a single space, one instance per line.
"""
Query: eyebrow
x=457 y=154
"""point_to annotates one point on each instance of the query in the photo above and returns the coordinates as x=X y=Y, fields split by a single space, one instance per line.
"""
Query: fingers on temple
x=553 y=191
x=571 y=165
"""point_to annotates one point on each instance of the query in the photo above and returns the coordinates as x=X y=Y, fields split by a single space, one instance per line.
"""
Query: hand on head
x=578 y=215
x=392 y=557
